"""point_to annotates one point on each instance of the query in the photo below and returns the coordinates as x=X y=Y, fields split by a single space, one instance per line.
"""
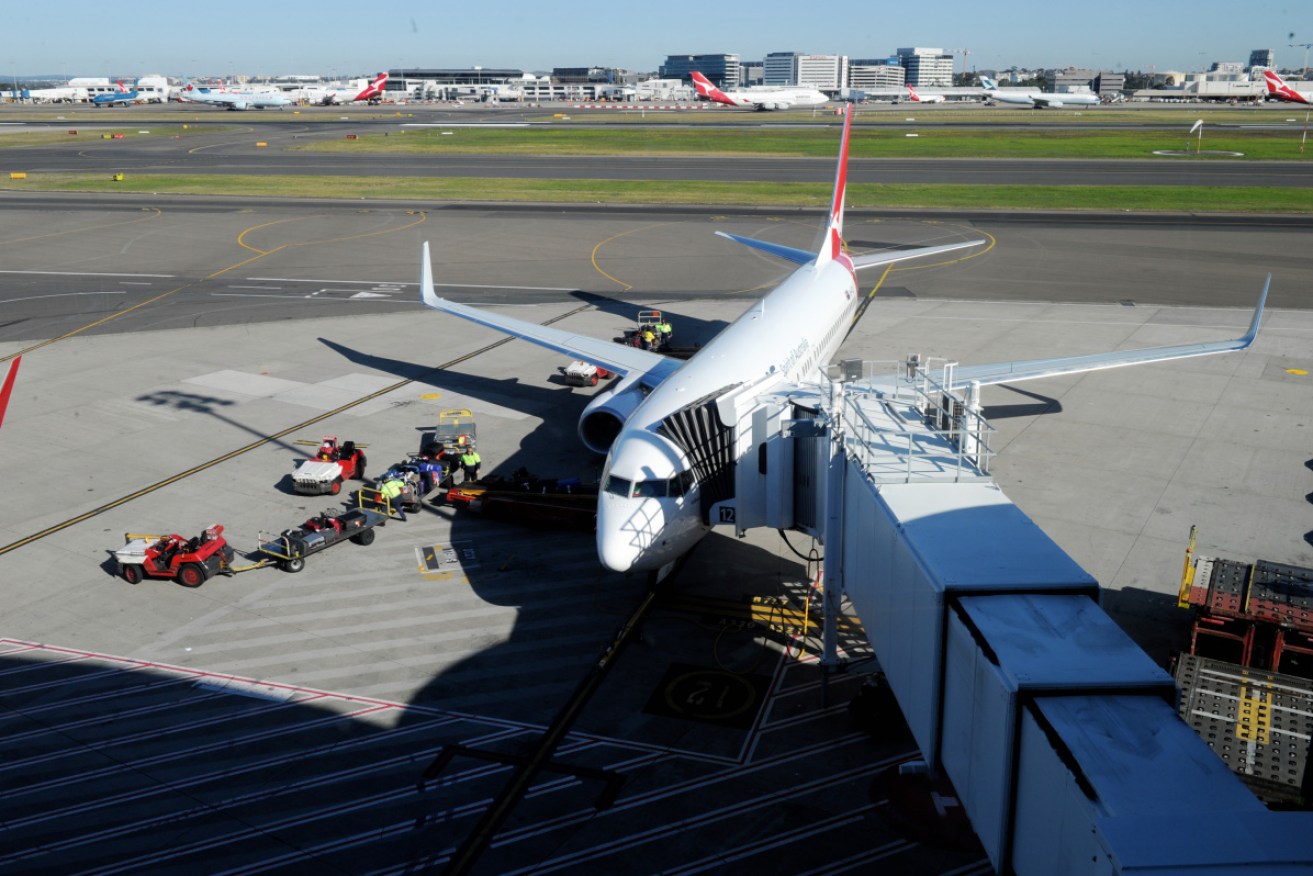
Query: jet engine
x=606 y=414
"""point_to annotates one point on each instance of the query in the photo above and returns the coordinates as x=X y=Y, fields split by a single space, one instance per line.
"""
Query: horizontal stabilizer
x=874 y=259
x=1031 y=369
x=797 y=256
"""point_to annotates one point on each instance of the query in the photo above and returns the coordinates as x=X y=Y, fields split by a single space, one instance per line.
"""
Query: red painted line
x=8 y=387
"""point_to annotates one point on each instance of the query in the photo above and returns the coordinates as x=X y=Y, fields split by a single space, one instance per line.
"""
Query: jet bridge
x=1060 y=735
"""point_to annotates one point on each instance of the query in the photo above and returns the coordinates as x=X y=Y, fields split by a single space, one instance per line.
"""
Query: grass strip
x=1201 y=199
x=816 y=142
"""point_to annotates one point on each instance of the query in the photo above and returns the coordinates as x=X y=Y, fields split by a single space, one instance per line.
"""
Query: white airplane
x=372 y=92
x=924 y=98
x=1037 y=99
x=234 y=100
x=1278 y=89
x=650 y=511
x=759 y=99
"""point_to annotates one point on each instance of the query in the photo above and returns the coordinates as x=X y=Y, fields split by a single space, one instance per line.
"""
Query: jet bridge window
x=617 y=486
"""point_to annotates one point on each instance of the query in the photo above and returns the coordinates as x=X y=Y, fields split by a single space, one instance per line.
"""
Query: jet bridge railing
x=903 y=424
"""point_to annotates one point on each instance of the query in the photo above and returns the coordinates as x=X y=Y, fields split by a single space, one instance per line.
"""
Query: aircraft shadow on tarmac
x=552 y=445
x=689 y=330
x=1043 y=405
x=190 y=402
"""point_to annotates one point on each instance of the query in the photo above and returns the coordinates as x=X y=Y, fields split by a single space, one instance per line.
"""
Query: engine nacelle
x=607 y=413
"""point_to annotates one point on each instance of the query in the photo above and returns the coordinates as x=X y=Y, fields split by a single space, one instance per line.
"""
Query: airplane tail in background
x=707 y=90
x=375 y=88
x=1277 y=87
x=987 y=83
x=912 y=92
x=832 y=245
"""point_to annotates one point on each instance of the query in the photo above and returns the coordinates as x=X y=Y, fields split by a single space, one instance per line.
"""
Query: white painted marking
x=64 y=295
x=85 y=274
x=360 y=295
x=305 y=297
x=132 y=283
x=273 y=288
x=466 y=125
x=377 y=283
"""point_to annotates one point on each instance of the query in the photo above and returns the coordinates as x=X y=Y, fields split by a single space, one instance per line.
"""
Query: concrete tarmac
x=275 y=722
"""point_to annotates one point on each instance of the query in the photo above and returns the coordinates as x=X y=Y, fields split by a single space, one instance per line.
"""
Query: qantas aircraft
x=650 y=513
x=373 y=92
x=759 y=99
x=1277 y=88
x=924 y=98
x=1037 y=99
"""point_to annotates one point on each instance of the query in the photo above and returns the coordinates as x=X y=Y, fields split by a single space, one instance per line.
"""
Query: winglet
x=832 y=245
x=426 y=280
x=1258 y=316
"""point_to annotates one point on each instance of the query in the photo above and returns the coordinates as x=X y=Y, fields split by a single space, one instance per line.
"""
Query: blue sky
x=87 y=38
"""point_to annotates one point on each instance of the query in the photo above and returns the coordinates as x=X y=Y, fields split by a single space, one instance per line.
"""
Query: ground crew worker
x=391 y=490
x=648 y=338
x=666 y=331
x=469 y=463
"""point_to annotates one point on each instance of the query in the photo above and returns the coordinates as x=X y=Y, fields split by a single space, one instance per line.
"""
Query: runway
x=272 y=722
x=217 y=148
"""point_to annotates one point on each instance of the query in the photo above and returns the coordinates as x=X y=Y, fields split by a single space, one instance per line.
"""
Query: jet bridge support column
x=832 y=535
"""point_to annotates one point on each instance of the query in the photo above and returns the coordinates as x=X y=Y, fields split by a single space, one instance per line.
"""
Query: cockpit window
x=648 y=489
x=618 y=486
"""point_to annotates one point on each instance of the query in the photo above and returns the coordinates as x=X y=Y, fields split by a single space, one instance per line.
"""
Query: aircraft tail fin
x=987 y=83
x=912 y=92
x=707 y=90
x=832 y=245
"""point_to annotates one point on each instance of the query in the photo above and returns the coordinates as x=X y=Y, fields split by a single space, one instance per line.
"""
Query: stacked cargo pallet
x=1247 y=683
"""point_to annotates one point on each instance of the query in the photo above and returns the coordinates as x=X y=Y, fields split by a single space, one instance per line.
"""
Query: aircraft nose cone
x=615 y=553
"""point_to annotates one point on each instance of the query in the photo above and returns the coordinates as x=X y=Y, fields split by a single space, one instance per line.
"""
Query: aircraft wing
x=869 y=260
x=1031 y=369
x=874 y=259
x=609 y=355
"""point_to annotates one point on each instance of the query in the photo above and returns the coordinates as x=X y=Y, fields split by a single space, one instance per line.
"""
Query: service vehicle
x=290 y=547
x=580 y=373
x=455 y=430
x=412 y=486
x=190 y=561
x=646 y=320
x=332 y=464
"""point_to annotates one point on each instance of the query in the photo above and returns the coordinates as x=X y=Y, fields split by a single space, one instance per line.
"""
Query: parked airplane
x=1278 y=89
x=924 y=98
x=651 y=508
x=123 y=97
x=760 y=99
x=1037 y=99
x=234 y=100
x=373 y=92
